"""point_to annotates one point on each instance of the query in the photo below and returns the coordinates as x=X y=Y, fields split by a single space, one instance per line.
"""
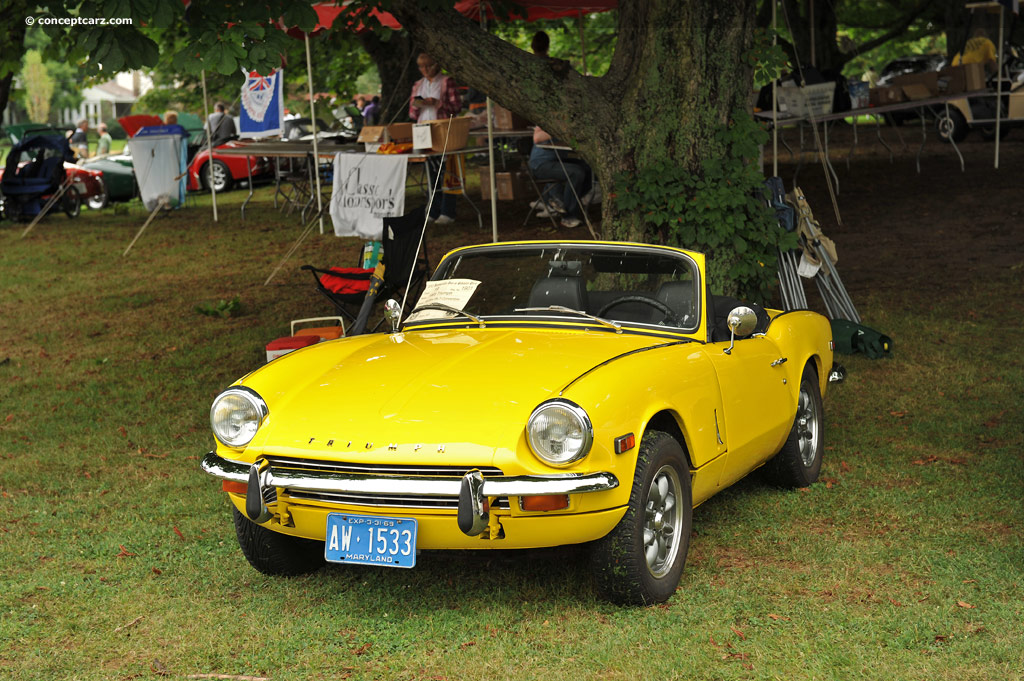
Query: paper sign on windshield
x=451 y=292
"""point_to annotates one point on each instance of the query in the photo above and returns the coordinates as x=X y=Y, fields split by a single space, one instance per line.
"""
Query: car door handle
x=780 y=360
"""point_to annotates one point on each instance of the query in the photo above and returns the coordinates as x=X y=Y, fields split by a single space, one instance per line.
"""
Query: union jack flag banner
x=262 y=105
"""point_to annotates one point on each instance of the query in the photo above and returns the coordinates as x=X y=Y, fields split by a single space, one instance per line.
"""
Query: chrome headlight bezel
x=583 y=423
x=253 y=399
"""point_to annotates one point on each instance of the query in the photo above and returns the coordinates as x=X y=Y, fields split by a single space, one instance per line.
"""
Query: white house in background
x=112 y=99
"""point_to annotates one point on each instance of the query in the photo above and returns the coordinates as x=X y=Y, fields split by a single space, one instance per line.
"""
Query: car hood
x=454 y=387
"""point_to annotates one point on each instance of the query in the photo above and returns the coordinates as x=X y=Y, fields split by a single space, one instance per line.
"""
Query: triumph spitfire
x=538 y=394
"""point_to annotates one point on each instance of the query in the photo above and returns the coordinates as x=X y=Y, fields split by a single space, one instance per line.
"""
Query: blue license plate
x=371 y=540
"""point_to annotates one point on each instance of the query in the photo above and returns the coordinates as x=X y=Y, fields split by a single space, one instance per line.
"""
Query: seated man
x=573 y=174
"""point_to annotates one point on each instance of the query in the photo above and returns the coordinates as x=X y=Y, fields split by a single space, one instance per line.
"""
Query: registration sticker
x=370 y=540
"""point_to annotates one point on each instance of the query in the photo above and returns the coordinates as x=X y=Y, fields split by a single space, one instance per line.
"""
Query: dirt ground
x=905 y=234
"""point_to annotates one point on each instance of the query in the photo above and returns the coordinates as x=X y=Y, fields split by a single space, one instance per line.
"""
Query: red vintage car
x=227 y=170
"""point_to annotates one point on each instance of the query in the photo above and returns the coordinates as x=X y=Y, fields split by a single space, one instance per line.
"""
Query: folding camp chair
x=348 y=287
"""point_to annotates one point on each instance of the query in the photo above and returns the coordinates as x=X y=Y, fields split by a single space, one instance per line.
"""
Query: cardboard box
x=431 y=136
x=509 y=185
x=506 y=120
x=916 y=91
x=880 y=96
x=1016 y=103
x=378 y=134
x=929 y=81
x=963 y=78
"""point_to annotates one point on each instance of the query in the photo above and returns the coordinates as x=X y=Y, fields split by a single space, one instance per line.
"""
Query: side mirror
x=742 y=321
x=393 y=313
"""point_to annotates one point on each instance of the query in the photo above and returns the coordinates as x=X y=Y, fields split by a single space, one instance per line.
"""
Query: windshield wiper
x=563 y=308
x=448 y=308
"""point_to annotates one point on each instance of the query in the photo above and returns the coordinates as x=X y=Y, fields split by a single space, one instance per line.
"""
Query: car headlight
x=236 y=415
x=559 y=432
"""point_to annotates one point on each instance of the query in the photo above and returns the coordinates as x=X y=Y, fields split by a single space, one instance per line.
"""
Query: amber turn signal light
x=546 y=502
x=232 y=486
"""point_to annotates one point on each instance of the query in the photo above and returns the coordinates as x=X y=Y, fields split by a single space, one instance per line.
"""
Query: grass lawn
x=118 y=559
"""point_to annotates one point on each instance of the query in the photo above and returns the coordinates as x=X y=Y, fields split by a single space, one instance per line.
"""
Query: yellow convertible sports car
x=537 y=394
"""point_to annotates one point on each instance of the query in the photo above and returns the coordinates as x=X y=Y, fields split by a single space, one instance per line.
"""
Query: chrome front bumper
x=472 y=489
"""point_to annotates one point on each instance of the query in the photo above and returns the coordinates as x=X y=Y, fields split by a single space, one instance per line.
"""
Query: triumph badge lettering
x=371 y=540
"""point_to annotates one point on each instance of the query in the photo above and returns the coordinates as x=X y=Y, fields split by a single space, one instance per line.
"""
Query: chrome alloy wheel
x=662 y=516
x=808 y=424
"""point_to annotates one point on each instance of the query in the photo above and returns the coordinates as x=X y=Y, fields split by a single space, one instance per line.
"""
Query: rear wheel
x=222 y=180
x=798 y=463
x=273 y=553
x=641 y=561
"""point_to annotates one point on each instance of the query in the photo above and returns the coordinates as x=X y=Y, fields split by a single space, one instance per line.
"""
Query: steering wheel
x=661 y=307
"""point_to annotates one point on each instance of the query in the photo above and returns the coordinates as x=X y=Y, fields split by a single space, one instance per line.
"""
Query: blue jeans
x=576 y=175
x=443 y=204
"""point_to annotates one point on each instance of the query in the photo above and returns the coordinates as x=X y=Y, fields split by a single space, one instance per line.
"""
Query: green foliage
x=767 y=60
x=599 y=35
x=222 y=308
x=38 y=87
x=719 y=210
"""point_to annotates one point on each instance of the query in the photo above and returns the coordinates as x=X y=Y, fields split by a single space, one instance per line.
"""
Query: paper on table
x=451 y=292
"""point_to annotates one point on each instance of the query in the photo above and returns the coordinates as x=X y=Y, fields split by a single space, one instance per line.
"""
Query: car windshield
x=604 y=285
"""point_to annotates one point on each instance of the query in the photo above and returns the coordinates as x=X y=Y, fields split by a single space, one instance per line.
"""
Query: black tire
x=276 y=554
x=223 y=182
x=624 y=571
x=954 y=126
x=71 y=203
x=798 y=463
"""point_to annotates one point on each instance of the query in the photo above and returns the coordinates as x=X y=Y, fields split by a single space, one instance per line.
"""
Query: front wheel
x=98 y=201
x=641 y=561
x=798 y=463
x=71 y=203
x=276 y=554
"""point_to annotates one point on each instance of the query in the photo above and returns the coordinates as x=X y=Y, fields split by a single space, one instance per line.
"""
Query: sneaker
x=593 y=196
x=556 y=206
x=444 y=220
x=569 y=222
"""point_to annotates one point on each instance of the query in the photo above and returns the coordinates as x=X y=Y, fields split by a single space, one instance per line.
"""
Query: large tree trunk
x=677 y=75
x=396 y=64
x=12 y=24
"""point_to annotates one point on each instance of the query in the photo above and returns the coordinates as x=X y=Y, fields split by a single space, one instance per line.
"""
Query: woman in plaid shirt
x=434 y=97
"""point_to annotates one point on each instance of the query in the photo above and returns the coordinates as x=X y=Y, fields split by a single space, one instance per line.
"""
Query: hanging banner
x=262 y=108
x=367 y=188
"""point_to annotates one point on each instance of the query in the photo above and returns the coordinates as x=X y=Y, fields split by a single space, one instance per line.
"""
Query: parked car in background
x=226 y=170
x=563 y=393
x=914 y=63
x=116 y=171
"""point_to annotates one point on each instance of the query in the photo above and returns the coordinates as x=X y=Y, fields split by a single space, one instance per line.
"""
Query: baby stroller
x=29 y=187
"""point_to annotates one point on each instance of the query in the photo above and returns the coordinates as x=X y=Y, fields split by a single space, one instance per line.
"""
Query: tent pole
x=583 y=43
x=316 y=149
x=775 y=97
x=209 y=145
x=490 y=148
x=999 y=85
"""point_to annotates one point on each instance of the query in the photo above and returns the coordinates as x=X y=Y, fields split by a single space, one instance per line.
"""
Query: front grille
x=450 y=503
